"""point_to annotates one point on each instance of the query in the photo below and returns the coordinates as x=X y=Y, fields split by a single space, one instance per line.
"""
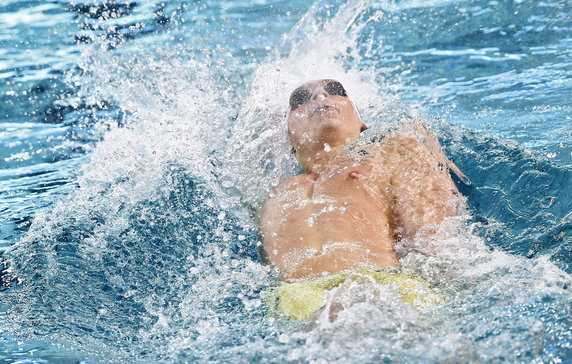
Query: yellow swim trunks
x=300 y=300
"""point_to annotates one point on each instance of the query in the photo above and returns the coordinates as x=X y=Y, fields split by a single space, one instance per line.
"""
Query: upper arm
x=424 y=193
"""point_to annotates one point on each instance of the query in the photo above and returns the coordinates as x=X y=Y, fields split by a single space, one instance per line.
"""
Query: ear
x=363 y=127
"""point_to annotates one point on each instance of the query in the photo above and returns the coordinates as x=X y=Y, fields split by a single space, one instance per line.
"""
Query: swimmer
x=356 y=199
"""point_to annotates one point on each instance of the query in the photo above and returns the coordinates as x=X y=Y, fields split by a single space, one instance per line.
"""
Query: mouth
x=324 y=109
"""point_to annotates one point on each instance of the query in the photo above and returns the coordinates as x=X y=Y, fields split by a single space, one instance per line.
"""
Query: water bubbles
x=161 y=232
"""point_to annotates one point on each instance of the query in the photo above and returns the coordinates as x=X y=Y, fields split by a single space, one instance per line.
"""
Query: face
x=321 y=115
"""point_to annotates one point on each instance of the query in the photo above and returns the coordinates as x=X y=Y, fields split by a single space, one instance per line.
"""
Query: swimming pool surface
x=138 y=139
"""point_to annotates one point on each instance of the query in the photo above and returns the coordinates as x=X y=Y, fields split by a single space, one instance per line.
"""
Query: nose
x=319 y=93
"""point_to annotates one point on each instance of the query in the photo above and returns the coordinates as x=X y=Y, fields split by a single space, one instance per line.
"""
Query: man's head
x=321 y=116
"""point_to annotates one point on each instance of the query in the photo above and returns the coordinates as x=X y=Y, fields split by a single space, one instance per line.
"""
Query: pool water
x=140 y=138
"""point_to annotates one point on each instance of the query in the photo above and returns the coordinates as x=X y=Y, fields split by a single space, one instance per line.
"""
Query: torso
x=335 y=220
x=349 y=214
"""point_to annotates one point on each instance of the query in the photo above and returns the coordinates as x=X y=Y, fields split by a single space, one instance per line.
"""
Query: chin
x=329 y=124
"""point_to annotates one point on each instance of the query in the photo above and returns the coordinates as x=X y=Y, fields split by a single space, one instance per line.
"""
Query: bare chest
x=347 y=202
x=359 y=179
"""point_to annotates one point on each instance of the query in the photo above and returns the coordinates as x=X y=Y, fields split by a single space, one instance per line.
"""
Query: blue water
x=139 y=138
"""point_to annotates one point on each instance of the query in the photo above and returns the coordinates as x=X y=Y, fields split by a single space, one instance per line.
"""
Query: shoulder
x=289 y=194
x=408 y=134
x=410 y=140
x=301 y=181
x=293 y=188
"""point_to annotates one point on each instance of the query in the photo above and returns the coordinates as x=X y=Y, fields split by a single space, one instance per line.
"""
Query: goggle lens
x=300 y=97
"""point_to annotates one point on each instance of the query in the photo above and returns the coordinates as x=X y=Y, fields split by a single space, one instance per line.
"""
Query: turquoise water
x=139 y=139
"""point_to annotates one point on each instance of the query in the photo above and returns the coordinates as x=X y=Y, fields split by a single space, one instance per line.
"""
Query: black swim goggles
x=300 y=96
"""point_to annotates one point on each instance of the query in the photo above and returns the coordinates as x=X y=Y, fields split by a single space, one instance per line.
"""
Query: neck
x=316 y=162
